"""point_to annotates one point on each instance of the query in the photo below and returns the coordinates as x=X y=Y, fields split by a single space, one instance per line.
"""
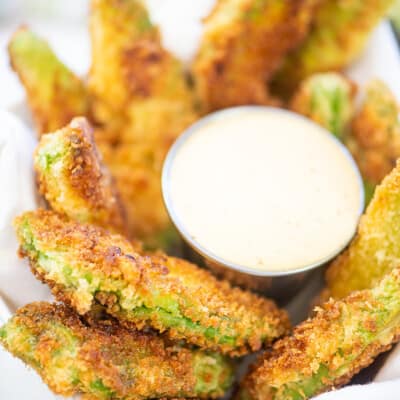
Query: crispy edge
x=238 y=56
x=374 y=250
x=55 y=94
x=94 y=340
x=317 y=98
x=375 y=135
x=116 y=258
x=338 y=35
x=85 y=183
x=289 y=357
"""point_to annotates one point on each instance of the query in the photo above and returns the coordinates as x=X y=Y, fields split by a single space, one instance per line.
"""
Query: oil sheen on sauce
x=264 y=189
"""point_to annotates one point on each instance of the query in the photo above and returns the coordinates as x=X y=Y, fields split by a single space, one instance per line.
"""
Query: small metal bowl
x=280 y=285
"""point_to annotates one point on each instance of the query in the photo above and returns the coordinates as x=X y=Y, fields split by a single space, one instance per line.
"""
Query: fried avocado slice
x=55 y=94
x=140 y=92
x=375 y=250
x=129 y=63
x=108 y=361
x=327 y=99
x=326 y=351
x=244 y=42
x=339 y=33
x=375 y=135
x=137 y=163
x=86 y=265
x=73 y=178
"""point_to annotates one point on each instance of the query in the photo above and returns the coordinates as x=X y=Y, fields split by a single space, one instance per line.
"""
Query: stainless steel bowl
x=281 y=285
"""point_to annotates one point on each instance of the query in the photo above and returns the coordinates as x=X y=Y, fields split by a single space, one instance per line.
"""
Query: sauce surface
x=264 y=189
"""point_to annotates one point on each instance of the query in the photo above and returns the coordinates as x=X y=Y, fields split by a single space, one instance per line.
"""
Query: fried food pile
x=133 y=322
x=244 y=43
x=85 y=265
x=72 y=178
x=139 y=98
x=138 y=101
x=371 y=132
x=339 y=32
x=327 y=350
x=108 y=361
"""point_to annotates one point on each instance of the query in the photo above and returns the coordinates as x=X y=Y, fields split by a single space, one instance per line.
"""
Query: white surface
x=379 y=60
x=71 y=43
x=391 y=369
x=17 y=283
x=180 y=23
x=374 y=391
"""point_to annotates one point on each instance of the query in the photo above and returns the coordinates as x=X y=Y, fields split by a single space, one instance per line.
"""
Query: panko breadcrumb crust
x=55 y=94
x=339 y=32
x=140 y=96
x=375 y=134
x=107 y=359
x=375 y=250
x=74 y=180
x=327 y=350
x=243 y=44
x=86 y=265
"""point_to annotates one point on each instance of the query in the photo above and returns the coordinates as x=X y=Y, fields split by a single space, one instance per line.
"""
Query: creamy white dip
x=264 y=189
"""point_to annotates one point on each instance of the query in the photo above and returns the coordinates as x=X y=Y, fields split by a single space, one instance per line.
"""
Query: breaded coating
x=326 y=351
x=85 y=265
x=375 y=250
x=375 y=135
x=137 y=164
x=74 y=180
x=243 y=44
x=327 y=99
x=129 y=64
x=139 y=91
x=338 y=35
x=55 y=94
x=108 y=361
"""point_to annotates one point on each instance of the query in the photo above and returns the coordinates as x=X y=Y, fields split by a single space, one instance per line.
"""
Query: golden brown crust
x=336 y=339
x=109 y=353
x=55 y=94
x=141 y=97
x=339 y=32
x=239 y=55
x=199 y=297
x=78 y=184
x=375 y=249
x=376 y=133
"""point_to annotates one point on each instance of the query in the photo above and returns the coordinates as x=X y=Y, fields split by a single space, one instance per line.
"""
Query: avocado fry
x=139 y=93
x=243 y=44
x=108 y=361
x=375 y=249
x=55 y=94
x=74 y=180
x=327 y=99
x=375 y=135
x=325 y=351
x=85 y=265
x=339 y=33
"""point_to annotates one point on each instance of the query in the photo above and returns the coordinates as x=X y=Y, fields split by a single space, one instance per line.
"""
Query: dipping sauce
x=262 y=188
